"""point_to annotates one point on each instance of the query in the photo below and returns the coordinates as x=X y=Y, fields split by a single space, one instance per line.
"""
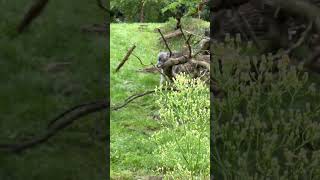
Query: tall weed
x=267 y=125
x=183 y=142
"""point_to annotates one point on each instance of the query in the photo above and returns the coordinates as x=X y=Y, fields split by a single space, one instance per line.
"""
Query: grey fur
x=162 y=58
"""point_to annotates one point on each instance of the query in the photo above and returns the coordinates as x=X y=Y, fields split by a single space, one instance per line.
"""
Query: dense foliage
x=153 y=10
x=183 y=141
x=266 y=127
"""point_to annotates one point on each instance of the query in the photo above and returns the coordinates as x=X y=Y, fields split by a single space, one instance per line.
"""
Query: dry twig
x=68 y=117
x=124 y=60
x=165 y=42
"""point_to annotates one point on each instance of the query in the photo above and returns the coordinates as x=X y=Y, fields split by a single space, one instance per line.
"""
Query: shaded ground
x=51 y=67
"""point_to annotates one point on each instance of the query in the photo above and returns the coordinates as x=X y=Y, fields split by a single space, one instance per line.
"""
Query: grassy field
x=131 y=127
x=31 y=94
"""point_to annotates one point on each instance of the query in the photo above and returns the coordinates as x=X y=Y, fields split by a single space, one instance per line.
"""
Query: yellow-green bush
x=267 y=127
x=183 y=142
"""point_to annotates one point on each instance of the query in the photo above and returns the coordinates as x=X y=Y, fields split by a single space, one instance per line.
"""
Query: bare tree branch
x=124 y=60
x=132 y=98
x=34 y=11
x=187 y=42
x=139 y=59
x=165 y=42
x=100 y=5
x=70 y=116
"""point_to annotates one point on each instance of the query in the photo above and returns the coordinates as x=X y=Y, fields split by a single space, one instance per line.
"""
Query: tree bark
x=142 y=11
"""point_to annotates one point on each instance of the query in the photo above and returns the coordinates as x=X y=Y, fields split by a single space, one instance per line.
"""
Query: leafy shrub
x=267 y=127
x=198 y=26
x=131 y=10
x=183 y=142
x=155 y=10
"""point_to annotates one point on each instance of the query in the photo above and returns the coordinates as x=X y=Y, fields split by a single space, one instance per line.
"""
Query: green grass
x=131 y=126
x=128 y=125
x=30 y=96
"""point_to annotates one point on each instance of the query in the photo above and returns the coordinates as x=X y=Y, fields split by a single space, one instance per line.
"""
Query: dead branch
x=132 y=98
x=187 y=42
x=158 y=69
x=168 y=65
x=136 y=96
x=101 y=6
x=249 y=28
x=201 y=63
x=301 y=8
x=73 y=109
x=70 y=116
x=199 y=36
x=189 y=46
x=124 y=60
x=175 y=61
x=139 y=59
x=173 y=34
x=37 y=8
x=300 y=41
x=34 y=11
x=67 y=118
x=165 y=42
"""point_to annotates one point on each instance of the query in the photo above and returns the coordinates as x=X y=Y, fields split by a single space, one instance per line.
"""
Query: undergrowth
x=267 y=125
x=183 y=141
x=132 y=127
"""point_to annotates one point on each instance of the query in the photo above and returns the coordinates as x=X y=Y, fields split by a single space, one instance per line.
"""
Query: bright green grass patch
x=30 y=96
x=132 y=126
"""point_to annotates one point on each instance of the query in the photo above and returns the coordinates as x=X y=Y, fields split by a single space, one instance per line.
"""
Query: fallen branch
x=201 y=63
x=139 y=59
x=73 y=109
x=171 y=35
x=37 y=8
x=67 y=118
x=187 y=42
x=132 y=98
x=70 y=117
x=301 y=8
x=175 y=61
x=34 y=11
x=249 y=29
x=125 y=58
x=159 y=70
x=300 y=41
x=165 y=42
x=199 y=36
x=101 y=6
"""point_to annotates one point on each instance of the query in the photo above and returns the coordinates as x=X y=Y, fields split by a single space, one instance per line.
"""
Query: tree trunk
x=142 y=11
